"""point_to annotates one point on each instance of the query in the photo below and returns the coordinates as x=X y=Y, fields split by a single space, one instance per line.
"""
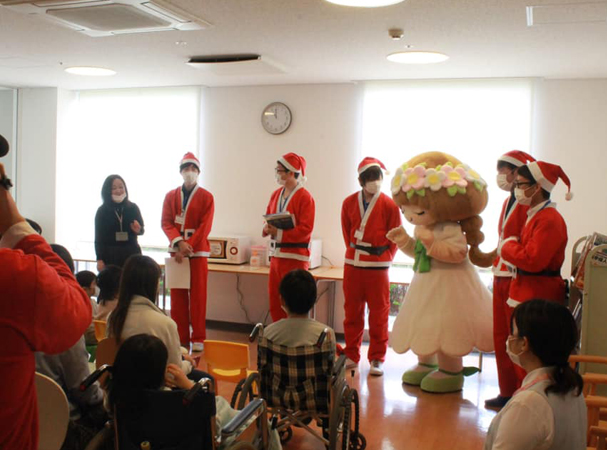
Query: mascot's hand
x=398 y=235
x=425 y=235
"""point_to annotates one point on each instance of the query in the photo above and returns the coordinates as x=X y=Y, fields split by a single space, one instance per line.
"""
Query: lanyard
x=119 y=217
x=283 y=204
x=532 y=383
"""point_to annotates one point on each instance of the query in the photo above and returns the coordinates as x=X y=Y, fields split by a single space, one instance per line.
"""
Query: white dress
x=447 y=309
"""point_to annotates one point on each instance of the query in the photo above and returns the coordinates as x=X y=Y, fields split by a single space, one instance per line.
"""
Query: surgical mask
x=520 y=196
x=97 y=291
x=279 y=179
x=502 y=182
x=118 y=198
x=373 y=187
x=514 y=357
x=190 y=176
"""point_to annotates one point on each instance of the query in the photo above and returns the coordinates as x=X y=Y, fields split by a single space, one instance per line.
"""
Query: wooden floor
x=395 y=416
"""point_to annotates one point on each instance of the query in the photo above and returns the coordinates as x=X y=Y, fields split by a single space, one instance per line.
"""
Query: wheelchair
x=180 y=419
x=301 y=385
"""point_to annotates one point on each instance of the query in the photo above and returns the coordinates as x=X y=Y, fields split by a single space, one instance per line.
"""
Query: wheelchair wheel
x=285 y=435
x=249 y=391
x=340 y=422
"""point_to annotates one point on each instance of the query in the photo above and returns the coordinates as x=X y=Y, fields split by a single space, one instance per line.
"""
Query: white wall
x=569 y=130
x=238 y=160
x=36 y=157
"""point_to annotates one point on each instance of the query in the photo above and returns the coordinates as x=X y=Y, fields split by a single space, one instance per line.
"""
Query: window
x=140 y=134
x=474 y=120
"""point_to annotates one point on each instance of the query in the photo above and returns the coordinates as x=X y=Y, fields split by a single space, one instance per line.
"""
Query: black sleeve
x=139 y=219
x=99 y=234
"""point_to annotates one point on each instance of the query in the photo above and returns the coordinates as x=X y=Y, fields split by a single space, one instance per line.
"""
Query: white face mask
x=514 y=357
x=190 y=176
x=279 y=179
x=502 y=182
x=97 y=291
x=118 y=198
x=520 y=196
x=373 y=187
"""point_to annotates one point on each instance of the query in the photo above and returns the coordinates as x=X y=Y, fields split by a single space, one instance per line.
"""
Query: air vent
x=238 y=64
x=567 y=13
x=106 y=18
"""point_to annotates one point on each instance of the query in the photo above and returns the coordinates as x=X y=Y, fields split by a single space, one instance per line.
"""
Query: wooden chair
x=100 y=326
x=596 y=404
x=600 y=434
x=53 y=413
x=591 y=379
x=227 y=361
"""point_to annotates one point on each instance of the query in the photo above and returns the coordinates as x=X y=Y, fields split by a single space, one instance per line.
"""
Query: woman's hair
x=140 y=364
x=108 y=281
x=461 y=207
x=502 y=164
x=106 y=189
x=140 y=276
x=524 y=172
x=552 y=335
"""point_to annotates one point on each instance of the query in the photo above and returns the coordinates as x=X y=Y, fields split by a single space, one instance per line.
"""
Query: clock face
x=276 y=118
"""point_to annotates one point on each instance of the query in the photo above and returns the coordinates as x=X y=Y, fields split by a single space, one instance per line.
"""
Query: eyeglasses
x=277 y=170
x=520 y=184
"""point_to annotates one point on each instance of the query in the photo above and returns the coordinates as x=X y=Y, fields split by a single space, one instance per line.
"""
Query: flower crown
x=415 y=180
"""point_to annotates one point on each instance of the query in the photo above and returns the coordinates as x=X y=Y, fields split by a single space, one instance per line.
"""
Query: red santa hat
x=189 y=158
x=547 y=175
x=516 y=158
x=294 y=163
x=371 y=162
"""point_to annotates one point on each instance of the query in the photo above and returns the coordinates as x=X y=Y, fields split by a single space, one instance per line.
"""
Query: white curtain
x=474 y=120
x=139 y=134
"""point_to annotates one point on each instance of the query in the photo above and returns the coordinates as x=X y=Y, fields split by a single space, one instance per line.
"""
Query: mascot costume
x=447 y=310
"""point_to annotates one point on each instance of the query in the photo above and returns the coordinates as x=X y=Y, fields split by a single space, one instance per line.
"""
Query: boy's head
x=298 y=292
x=87 y=281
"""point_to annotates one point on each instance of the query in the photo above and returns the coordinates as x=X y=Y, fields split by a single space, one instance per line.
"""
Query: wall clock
x=276 y=118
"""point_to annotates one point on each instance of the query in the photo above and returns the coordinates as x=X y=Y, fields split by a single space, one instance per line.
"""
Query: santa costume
x=511 y=222
x=188 y=216
x=369 y=255
x=290 y=249
x=538 y=255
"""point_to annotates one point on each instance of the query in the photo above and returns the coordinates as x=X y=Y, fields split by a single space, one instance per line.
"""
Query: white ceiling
x=317 y=42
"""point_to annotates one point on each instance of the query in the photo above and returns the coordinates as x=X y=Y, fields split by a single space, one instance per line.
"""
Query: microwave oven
x=229 y=249
x=315 y=253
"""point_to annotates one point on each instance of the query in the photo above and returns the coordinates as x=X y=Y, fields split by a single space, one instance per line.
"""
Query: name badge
x=179 y=219
x=122 y=236
x=358 y=234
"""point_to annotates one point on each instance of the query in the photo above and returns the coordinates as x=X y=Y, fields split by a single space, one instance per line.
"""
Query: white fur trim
x=513 y=303
x=511 y=160
x=535 y=170
x=190 y=161
x=368 y=263
x=285 y=163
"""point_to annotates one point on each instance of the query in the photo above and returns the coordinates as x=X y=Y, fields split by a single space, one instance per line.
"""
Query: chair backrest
x=296 y=378
x=226 y=360
x=162 y=419
x=53 y=413
x=106 y=352
x=592 y=380
x=100 y=326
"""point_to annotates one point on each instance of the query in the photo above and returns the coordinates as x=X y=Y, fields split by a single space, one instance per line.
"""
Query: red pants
x=371 y=286
x=509 y=375
x=279 y=267
x=190 y=306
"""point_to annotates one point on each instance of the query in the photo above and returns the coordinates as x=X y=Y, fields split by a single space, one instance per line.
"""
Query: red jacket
x=510 y=225
x=42 y=309
x=197 y=221
x=301 y=204
x=541 y=249
x=368 y=229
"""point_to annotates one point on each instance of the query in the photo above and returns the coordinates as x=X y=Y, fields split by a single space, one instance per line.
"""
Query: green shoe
x=415 y=377
x=452 y=382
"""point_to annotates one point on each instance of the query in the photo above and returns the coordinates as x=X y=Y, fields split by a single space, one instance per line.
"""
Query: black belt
x=376 y=251
x=543 y=273
x=292 y=244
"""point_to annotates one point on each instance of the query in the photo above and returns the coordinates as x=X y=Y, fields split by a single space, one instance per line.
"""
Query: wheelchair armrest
x=88 y=381
x=339 y=365
x=243 y=416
